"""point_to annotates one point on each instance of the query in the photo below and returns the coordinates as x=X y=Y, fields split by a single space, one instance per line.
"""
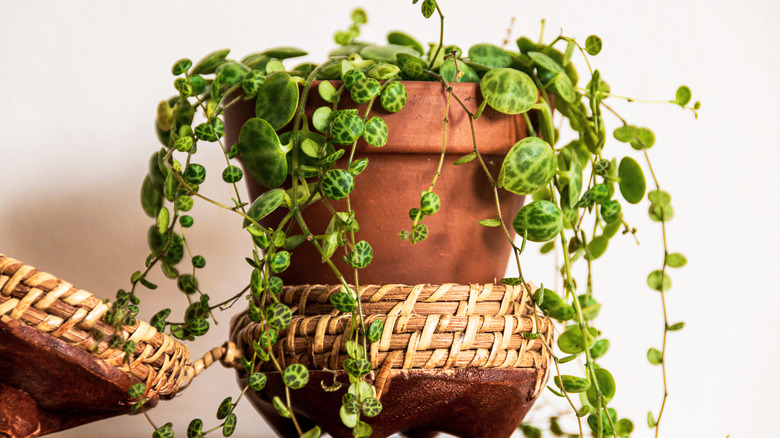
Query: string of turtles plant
x=301 y=162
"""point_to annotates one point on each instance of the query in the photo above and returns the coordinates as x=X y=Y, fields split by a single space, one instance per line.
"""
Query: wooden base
x=469 y=403
x=47 y=385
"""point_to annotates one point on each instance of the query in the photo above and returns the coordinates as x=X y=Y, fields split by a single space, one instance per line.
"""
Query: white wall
x=80 y=81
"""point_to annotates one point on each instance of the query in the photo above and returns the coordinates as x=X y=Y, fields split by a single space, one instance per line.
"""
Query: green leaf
x=229 y=426
x=683 y=96
x=513 y=281
x=232 y=174
x=676 y=260
x=428 y=8
x=312 y=433
x=490 y=222
x=225 y=408
x=277 y=100
x=508 y=90
x=384 y=72
x=490 y=55
x=349 y=420
x=164 y=431
x=528 y=166
x=651 y=419
x=654 y=356
x=375 y=330
x=364 y=89
x=530 y=431
x=393 y=97
x=624 y=427
x=343 y=302
x=327 y=91
x=257 y=381
x=295 y=376
x=606 y=383
x=597 y=247
x=375 y=132
x=571 y=341
x=552 y=304
x=262 y=153
x=337 y=184
x=231 y=72
x=136 y=390
x=321 y=118
x=210 y=62
x=593 y=45
x=571 y=383
x=676 y=326
x=632 y=180
x=346 y=127
x=278 y=316
x=361 y=256
x=402 y=39
x=264 y=205
x=659 y=281
x=281 y=408
x=371 y=407
x=539 y=221
x=151 y=197
x=465 y=159
x=195 y=428
x=568 y=358
x=429 y=203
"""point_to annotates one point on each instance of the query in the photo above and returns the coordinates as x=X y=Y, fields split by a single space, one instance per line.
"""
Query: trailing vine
x=574 y=210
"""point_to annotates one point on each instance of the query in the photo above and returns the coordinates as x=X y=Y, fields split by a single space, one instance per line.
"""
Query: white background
x=80 y=81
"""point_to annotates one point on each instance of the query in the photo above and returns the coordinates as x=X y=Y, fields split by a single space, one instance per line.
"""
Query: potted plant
x=310 y=158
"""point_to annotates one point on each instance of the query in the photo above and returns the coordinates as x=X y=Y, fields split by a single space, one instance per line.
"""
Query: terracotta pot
x=457 y=248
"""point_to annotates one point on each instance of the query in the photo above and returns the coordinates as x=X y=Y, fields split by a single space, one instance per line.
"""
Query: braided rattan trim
x=50 y=305
x=426 y=326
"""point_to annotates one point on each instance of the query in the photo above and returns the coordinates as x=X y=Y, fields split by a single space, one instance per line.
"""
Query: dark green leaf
x=264 y=205
x=375 y=330
x=210 y=62
x=277 y=100
x=262 y=153
x=632 y=180
x=593 y=45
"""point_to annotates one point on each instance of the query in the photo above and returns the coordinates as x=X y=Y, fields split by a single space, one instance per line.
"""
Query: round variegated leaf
x=343 y=302
x=352 y=76
x=375 y=132
x=429 y=203
x=541 y=220
x=337 y=184
x=295 y=376
x=365 y=89
x=371 y=407
x=278 y=315
x=346 y=127
x=508 y=90
x=393 y=97
x=280 y=261
x=231 y=72
x=257 y=381
x=529 y=166
x=384 y=72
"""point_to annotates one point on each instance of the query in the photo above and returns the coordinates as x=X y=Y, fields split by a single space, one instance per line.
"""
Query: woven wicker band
x=426 y=327
x=54 y=306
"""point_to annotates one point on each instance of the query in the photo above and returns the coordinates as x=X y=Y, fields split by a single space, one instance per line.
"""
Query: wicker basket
x=56 y=367
x=430 y=328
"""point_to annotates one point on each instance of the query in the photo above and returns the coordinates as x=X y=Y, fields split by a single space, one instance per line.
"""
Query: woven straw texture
x=50 y=305
x=426 y=327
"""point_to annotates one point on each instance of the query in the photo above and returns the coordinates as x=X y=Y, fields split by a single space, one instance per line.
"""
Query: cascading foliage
x=579 y=190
